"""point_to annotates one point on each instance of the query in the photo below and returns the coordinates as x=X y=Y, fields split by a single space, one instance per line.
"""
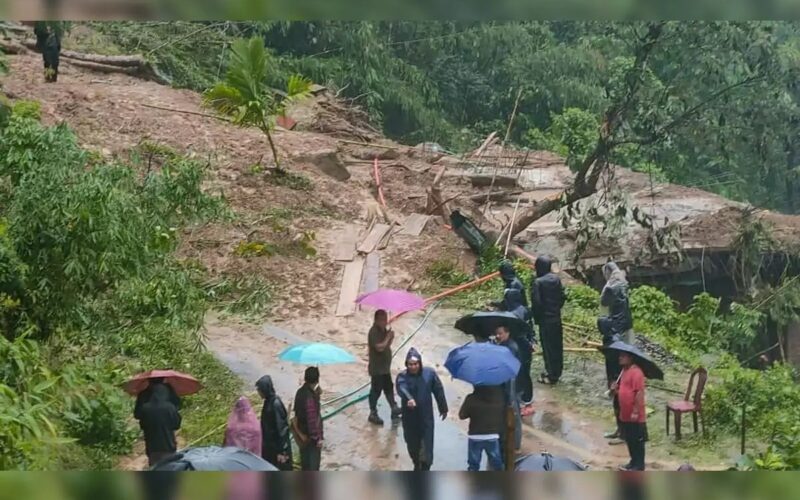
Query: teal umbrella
x=317 y=353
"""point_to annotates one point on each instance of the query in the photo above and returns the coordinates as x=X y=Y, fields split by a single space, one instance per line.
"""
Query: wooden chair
x=693 y=406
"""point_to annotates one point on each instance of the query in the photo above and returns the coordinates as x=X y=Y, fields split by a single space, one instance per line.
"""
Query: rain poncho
x=615 y=297
x=510 y=279
x=243 y=429
x=418 y=422
x=274 y=426
x=159 y=419
x=547 y=299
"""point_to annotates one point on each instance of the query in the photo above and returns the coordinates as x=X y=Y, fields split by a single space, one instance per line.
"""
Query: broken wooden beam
x=374 y=238
x=415 y=224
x=351 y=282
x=345 y=248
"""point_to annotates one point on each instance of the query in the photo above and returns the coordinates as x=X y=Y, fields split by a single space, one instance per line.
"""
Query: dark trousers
x=310 y=458
x=552 y=335
x=271 y=456
x=524 y=382
x=381 y=384
x=156 y=456
x=415 y=451
x=635 y=435
x=50 y=63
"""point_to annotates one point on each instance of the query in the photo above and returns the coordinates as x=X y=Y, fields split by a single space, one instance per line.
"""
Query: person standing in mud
x=379 y=340
x=418 y=386
x=503 y=338
x=547 y=299
x=48 y=42
x=513 y=303
x=276 y=447
x=308 y=412
x=630 y=391
x=159 y=419
x=614 y=326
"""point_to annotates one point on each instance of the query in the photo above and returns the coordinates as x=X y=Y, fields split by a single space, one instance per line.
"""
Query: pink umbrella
x=397 y=301
x=182 y=383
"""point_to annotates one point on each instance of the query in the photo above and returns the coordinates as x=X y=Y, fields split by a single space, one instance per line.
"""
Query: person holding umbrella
x=629 y=389
x=418 y=386
x=487 y=367
x=379 y=340
x=159 y=419
x=308 y=414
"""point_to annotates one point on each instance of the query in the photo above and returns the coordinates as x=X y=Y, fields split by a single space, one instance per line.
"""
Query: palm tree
x=244 y=97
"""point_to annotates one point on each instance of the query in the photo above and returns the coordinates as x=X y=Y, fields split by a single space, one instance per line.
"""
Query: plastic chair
x=693 y=406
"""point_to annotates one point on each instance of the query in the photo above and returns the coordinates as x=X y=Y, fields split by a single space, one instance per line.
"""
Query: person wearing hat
x=418 y=386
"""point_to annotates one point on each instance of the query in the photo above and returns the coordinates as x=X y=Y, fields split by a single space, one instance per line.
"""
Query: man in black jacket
x=159 y=419
x=485 y=409
x=511 y=280
x=547 y=299
x=276 y=448
x=48 y=42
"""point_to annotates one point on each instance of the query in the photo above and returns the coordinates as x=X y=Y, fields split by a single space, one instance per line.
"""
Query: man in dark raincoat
x=614 y=326
x=513 y=302
x=547 y=299
x=511 y=280
x=159 y=419
x=48 y=42
x=418 y=386
x=276 y=448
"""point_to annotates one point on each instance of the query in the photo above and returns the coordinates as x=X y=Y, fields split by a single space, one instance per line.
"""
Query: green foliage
x=572 y=134
x=771 y=399
x=254 y=249
x=249 y=296
x=90 y=292
x=244 y=96
x=27 y=109
x=446 y=273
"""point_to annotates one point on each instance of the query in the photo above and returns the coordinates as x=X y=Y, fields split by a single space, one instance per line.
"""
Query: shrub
x=28 y=109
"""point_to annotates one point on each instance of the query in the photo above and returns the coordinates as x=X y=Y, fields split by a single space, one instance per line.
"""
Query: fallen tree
x=646 y=109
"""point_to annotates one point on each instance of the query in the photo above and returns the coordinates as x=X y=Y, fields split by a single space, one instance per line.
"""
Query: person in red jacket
x=630 y=388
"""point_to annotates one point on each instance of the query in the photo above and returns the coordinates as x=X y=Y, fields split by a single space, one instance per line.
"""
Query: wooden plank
x=374 y=237
x=372 y=271
x=345 y=247
x=385 y=240
x=415 y=223
x=351 y=281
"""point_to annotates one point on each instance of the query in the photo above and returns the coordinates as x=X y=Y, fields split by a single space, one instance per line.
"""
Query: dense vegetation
x=716 y=104
x=91 y=293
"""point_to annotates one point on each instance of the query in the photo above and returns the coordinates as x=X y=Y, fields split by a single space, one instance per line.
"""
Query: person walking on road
x=547 y=299
x=418 y=386
x=276 y=447
x=308 y=415
x=485 y=410
x=379 y=342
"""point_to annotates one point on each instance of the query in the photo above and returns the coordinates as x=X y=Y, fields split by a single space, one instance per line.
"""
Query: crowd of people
x=494 y=412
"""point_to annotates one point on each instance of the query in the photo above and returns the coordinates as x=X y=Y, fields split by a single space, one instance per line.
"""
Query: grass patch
x=249 y=296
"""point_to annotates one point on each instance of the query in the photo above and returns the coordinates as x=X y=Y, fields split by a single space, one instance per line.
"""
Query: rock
x=326 y=160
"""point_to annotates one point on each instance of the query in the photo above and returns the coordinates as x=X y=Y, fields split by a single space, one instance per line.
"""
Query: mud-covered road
x=353 y=444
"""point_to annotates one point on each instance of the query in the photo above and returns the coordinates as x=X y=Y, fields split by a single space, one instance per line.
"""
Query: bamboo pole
x=511 y=224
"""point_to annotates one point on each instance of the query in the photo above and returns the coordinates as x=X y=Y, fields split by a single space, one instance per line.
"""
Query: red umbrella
x=182 y=383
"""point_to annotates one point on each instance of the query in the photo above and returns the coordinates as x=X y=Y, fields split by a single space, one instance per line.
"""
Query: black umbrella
x=539 y=462
x=214 y=458
x=648 y=366
x=483 y=324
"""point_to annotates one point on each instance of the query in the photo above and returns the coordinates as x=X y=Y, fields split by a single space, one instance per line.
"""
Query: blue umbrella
x=316 y=354
x=482 y=363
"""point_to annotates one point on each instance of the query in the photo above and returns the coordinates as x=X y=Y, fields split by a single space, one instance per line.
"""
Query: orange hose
x=454 y=290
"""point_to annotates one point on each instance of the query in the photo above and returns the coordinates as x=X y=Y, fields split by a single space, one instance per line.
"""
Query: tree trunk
x=274 y=151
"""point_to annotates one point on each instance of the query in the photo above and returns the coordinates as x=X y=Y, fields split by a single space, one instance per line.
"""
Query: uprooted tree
x=677 y=79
